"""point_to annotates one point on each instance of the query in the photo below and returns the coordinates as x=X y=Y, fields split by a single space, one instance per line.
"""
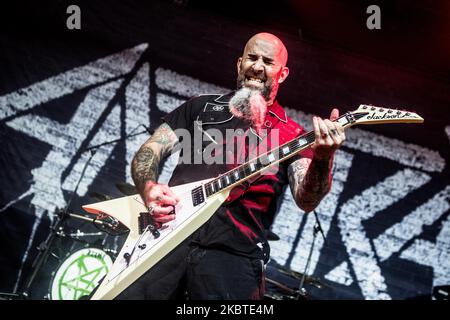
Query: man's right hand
x=160 y=200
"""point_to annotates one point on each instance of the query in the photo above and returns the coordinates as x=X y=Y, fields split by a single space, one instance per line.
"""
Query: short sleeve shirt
x=218 y=142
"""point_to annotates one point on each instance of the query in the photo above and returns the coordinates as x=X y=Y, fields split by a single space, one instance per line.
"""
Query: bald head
x=279 y=50
x=262 y=66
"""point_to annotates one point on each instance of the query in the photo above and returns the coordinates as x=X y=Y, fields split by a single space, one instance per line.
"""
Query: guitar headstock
x=368 y=114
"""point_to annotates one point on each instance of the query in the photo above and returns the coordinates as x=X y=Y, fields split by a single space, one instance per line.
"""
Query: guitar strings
x=294 y=146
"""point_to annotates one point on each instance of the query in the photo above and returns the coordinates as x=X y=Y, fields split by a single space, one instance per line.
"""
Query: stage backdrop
x=386 y=220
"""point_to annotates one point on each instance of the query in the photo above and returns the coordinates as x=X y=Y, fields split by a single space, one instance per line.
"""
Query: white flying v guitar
x=146 y=245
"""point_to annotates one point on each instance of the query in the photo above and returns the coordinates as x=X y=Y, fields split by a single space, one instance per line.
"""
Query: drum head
x=79 y=274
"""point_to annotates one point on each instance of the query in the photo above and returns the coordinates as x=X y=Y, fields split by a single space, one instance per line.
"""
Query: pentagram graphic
x=80 y=273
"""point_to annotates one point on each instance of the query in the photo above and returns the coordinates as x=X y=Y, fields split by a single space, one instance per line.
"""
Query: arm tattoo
x=144 y=167
x=310 y=181
x=145 y=164
x=165 y=137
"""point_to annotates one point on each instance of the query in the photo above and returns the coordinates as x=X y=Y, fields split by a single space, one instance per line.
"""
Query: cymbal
x=126 y=188
x=297 y=275
x=99 y=196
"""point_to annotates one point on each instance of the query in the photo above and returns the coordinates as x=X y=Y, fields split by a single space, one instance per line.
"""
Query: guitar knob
x=155 y=233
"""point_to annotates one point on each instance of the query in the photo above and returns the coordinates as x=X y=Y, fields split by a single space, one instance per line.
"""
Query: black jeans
x=197 y=273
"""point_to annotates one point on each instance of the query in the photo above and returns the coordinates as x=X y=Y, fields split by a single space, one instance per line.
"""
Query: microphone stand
x=44 y=251
x=44 y=247
x=317 y=228
x=147 y=130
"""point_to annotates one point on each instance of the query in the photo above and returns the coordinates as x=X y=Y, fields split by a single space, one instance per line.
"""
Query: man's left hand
x=329 y=136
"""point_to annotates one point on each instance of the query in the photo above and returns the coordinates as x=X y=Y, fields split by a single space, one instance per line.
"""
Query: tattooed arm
x=310 y=181
x=144 y=170
x=144 y=166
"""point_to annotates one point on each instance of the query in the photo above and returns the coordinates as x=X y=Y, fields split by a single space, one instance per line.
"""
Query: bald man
x=225 y=258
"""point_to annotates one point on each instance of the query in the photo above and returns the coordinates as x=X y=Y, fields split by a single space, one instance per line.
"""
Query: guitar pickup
x=197 y=196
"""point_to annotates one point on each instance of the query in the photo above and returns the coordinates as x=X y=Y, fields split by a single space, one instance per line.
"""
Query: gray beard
x=249 y=105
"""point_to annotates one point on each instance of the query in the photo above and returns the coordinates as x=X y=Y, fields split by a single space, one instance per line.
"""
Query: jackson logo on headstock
x=386 y=115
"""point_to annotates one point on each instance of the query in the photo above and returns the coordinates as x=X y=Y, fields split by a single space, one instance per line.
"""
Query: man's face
x=262 y=67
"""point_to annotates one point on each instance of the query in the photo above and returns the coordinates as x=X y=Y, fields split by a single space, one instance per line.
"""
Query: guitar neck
x=255 y=166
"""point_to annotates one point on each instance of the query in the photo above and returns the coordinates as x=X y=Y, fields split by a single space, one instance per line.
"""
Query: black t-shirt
x=239 y=224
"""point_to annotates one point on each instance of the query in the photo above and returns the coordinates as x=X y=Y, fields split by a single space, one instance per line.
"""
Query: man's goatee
x=249 y=105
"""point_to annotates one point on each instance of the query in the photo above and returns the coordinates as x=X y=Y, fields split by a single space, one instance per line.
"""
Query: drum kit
x=76 y=255
x=80 y=270
x=78 y=252
x=285 y=284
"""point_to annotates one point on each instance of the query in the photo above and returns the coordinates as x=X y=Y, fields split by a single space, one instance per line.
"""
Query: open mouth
x=254 y=80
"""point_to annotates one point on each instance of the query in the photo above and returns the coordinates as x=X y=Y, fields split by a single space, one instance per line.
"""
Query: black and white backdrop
x=386 y=219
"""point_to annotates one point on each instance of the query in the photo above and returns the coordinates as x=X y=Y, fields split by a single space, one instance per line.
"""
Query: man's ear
x=283 y=74
x=239 y=64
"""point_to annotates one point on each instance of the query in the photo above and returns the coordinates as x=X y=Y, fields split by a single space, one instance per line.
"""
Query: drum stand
x=41 y=258
x=302 y=293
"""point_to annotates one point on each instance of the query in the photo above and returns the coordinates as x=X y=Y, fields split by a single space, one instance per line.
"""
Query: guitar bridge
x=145 y=221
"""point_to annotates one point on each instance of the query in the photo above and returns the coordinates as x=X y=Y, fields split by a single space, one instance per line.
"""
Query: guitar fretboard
x=262 y=162
x=251 y=168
